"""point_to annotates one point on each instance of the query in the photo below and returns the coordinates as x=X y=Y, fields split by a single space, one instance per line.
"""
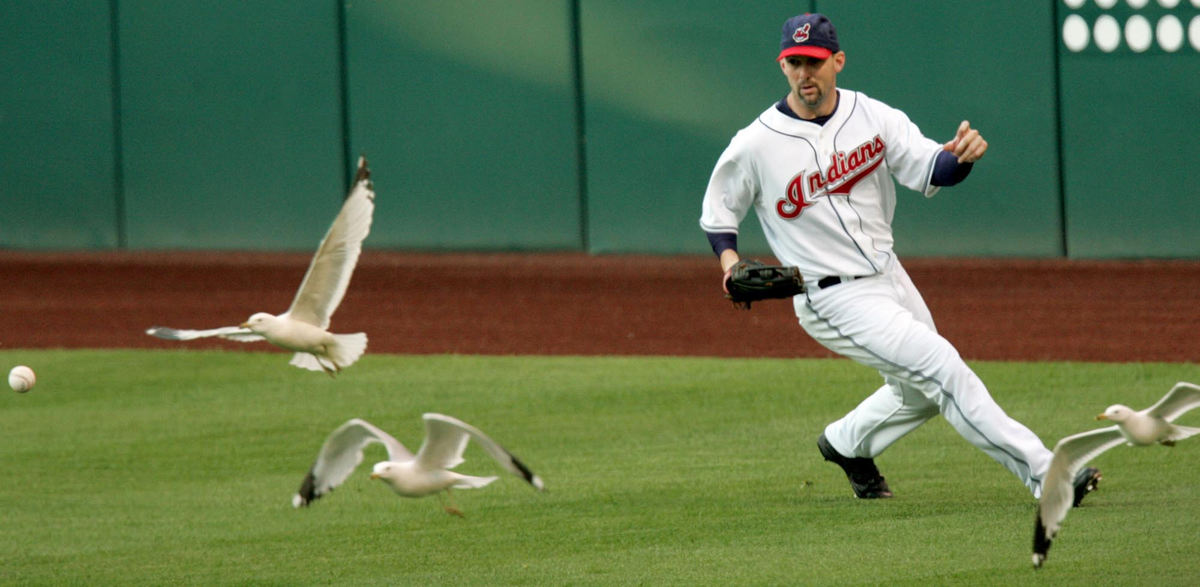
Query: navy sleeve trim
x=947 y=171
x=722 y=241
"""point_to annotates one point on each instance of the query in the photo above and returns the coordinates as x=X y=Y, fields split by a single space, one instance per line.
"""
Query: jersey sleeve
x=947 y=171
x=730 y=194
x=910 y=155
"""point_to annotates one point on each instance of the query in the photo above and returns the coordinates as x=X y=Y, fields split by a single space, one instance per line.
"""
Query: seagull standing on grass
x=303 y=328
x=426 y=473
x=1150 y=426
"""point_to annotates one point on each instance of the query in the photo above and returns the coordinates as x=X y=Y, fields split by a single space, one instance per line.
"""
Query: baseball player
x=817 y=169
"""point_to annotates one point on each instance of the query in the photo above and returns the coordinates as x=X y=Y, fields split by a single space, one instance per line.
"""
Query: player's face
x=813 y=81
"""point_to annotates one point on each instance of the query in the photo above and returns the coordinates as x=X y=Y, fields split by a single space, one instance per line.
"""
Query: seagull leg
x=451 y=509
x=332 y=371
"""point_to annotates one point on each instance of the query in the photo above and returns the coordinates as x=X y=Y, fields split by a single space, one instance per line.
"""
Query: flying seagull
x=426 y=473
x=1150 y=426
x=303 y=328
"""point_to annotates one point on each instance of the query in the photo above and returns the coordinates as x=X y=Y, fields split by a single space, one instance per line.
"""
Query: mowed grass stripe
x=155 y=467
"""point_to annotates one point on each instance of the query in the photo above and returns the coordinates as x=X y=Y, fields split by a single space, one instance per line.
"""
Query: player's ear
x=839 y=61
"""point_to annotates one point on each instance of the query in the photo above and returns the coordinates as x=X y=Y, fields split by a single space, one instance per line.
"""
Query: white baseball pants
x=882 y=322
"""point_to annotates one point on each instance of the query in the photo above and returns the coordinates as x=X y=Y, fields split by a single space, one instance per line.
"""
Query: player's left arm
x=968 y=145
x=917 y=162
x=957 y=157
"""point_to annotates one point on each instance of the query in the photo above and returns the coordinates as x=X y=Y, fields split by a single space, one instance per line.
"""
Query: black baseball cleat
x=864 y=477
x=1086 y=482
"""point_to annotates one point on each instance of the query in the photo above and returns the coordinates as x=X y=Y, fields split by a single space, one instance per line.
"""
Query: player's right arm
x=730 y=194
x=729 y=258
x=724 y=244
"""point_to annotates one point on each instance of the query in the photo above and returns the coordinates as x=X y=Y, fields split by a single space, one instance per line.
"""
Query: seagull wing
x=444 y=443
x=228 y=332
x=329 y=272
x=1058 y=487
x=446 y=438
x=1183 y=397
x=1070 y=455
x=341 y=454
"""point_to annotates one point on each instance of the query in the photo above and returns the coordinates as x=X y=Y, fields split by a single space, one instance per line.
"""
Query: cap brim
x=807 y=51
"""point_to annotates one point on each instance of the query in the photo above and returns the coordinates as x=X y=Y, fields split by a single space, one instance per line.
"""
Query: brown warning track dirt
x=578 y=304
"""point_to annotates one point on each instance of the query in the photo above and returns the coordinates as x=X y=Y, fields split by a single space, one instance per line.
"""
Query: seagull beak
x=374 y=475
x=1101 y=417
x=244 y=325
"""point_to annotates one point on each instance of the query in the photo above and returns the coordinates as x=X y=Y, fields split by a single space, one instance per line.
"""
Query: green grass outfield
x=154 y=467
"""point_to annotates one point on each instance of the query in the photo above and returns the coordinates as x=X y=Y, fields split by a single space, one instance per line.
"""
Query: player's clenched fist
x=968 y=145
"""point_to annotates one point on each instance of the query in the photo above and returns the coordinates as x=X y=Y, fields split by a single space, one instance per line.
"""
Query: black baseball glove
x=750 y=281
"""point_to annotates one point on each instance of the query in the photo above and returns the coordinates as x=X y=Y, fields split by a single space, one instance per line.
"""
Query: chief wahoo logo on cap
x=801 y=34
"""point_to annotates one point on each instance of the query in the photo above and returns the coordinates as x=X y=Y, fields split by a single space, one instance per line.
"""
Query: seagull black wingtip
x=1041 y=542
x=308 y=491
x=363 y=172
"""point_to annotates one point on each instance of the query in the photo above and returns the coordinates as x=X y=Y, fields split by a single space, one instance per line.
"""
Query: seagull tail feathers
x=469 y=482
x=1181 y=432
x=306 y=361
x=347 y=348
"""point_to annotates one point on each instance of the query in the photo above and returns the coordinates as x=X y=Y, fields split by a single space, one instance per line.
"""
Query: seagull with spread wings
x=1153 y=425
x=303 y=328
x=425 y=473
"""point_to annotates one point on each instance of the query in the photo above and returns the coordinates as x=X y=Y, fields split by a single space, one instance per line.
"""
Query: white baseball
x=21 y=379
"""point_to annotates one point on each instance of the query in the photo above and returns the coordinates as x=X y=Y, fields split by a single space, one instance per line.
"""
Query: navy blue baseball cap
x=808 y=34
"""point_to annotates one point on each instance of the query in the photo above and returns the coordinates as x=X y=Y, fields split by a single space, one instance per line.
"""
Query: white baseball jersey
x=823 y=193
x=825 y=197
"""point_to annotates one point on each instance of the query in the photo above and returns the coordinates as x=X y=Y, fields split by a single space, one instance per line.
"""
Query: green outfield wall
x=579 y=125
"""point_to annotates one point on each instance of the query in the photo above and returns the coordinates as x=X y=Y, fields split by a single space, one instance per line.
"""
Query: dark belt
x=832 y=280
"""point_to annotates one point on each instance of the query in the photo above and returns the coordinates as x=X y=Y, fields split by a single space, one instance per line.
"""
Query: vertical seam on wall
x=1058 y=129
x=348 y=158
x=580 y=118
x=114 y=45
